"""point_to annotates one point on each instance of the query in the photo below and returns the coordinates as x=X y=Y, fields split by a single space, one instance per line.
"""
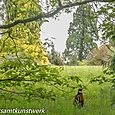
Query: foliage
x=22 y=41
x=32 y=80
x=100 y=56
x=25 y=80
x=107 y=27
x=108 y=76
x=53 y=56
x=82 y=34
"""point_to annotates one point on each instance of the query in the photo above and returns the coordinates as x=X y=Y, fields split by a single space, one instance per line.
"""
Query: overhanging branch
x=51 y=13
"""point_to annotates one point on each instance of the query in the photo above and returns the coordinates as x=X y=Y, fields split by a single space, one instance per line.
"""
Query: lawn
x=97 y=97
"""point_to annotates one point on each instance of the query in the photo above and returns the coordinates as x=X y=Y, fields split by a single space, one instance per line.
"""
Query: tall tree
x=82 y=33
x=53 y=56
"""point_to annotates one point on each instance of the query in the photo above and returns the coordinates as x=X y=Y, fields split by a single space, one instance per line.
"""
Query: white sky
x=58 y=29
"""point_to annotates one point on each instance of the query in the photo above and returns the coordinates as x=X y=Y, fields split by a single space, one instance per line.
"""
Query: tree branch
x=15 y=48
x=18 y=79
x=51 y=13
x=9 y=91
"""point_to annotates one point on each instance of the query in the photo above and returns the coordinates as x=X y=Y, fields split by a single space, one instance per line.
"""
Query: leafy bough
x=35 y=81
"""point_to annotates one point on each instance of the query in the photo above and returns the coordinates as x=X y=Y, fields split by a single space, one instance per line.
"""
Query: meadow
x=97 y=97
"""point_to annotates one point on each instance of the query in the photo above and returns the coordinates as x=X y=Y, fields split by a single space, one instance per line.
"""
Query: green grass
x=97 y=97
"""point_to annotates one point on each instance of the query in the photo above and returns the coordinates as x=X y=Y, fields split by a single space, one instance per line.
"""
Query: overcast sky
x=58 y=29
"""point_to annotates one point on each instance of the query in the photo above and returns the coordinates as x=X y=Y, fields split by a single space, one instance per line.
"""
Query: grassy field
x=97 y=97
